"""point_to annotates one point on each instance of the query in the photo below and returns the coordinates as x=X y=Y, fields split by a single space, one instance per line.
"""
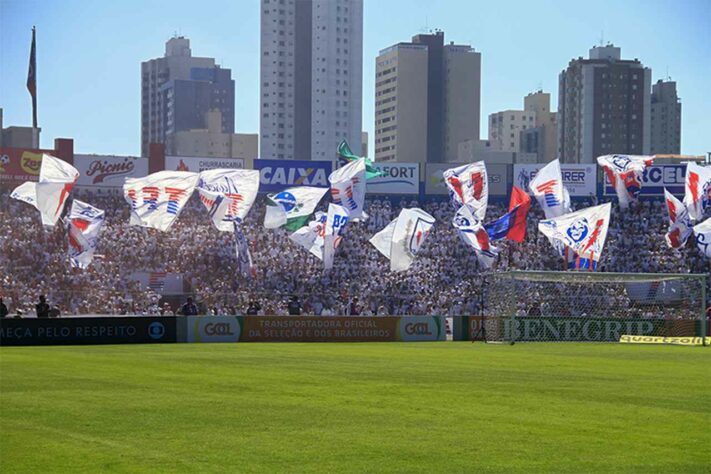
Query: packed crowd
x=445 y=278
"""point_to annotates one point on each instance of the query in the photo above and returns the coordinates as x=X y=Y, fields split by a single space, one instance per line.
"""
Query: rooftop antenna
x=668 y=76
x=602 y=37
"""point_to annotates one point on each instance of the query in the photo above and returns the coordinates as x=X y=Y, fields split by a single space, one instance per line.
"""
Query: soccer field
x=358 y=407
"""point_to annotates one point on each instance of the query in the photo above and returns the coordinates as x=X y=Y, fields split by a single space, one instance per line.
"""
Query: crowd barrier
x=140 y=329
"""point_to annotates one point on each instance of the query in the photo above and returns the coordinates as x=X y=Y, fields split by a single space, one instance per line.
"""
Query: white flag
x=292 y=207
x=472 y=232
x=469 y=184
x=84 y=225
x=311 y=236
x=703 y=237
x=228 y=195
x=584 y=232
x=697 y=194
x=403 y=237
x=336 y=222
x=625 y=175
x=547 y=186
x=680 y=227
x=244 y=257
x=348 y=187
x=56 y=180
x=157 y=199
x=26 y=192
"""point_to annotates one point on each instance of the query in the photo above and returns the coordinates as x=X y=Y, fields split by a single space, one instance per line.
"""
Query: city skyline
x=520 y=54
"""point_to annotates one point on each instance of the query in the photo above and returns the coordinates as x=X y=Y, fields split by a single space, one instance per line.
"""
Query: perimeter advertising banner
x=213 y=328
x=275 y=175
x=87 y=330
x=342 y=329
x=655 y=179
x=579 y=179
x=498 y=178
x=398 y=178
x=197 y=164
x=19 y=165
x=108 y=171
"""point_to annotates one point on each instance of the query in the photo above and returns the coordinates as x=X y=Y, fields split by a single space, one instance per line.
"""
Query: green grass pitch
x=375 y=407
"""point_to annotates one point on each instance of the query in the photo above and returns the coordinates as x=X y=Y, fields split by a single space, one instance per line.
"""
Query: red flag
x=520 y=199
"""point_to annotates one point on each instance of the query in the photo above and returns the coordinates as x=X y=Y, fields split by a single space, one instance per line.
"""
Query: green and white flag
x=292 y=207
x=346 y=156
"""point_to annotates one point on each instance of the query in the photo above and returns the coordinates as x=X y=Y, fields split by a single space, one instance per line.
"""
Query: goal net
x=570 y=306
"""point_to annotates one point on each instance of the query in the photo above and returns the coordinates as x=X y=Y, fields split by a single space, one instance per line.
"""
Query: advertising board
x=18 y=165
x=197 y=163
x=422 y=328
x=579 y=179
x=87 y=330
x=498 y=178
x=108 y=171
x=213 y=328
x=398 y=178
x=275 y=175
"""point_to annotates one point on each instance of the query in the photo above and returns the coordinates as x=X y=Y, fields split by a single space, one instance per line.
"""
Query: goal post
x=521 y=306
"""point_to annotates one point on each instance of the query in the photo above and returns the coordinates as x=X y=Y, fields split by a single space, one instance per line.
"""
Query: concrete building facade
x=665 y=119
x=505 y=128
x=178 y=90
x=603 y=106
x=427 y=99
x=311 y=71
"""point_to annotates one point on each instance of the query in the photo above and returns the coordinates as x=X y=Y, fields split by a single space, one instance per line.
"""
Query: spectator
x=3 y=309
x=42 y=308
x=189 y=308
x=294 y=306
x=253 y=308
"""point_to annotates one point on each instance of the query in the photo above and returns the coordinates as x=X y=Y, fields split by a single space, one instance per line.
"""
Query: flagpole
x=32 y=79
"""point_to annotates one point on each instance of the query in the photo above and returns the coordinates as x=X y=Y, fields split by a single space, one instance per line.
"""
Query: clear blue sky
x=89 y=54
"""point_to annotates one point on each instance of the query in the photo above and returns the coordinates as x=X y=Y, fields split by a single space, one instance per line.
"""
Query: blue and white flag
x=84 y=226
x=703 y=237
x=472 y=232
x=228 y=195
x=469 y=185
x=625 y=175
x=157 y=199
x=336 y=221
x=311 y=236
x=584 y=232
x=244 y=257
x=548 y=189
x=348 y=188
x=26 y=192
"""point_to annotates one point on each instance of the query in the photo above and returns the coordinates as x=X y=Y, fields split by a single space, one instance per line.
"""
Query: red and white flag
x=680 y=227
x=469 y=185
x=625 y=175
x=697 y=194
x=473 y=233
x=228 y=195
x=56 y=180
x=84 y=226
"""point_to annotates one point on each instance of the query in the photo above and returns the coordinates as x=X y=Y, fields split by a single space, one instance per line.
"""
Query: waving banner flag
x=84 y=226
x=311 y=236
x=469 y=184
x=703 y=237
x=625 y=175
x=336 y=221
x=512 y=225
x=26 y=192
x=292 y=207
x=348 y=187
x=584 y=232
x=56 y=181
x=400 y=240
x=680 y=227
x=228 y=195
x=697 y=195
x=244 y=257
x=473 y=234
x=547 y=187
x=157 y=199
x=345 y=156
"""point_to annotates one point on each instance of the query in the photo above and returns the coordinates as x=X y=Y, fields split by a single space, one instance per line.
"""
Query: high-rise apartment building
x=178 y=90
x=311 y=77
x=427 y=99
x=603 y=106
x=665 y=119
x=505 y=128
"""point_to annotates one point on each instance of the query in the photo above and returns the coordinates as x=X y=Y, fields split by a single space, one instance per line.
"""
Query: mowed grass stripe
x=380 y=407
